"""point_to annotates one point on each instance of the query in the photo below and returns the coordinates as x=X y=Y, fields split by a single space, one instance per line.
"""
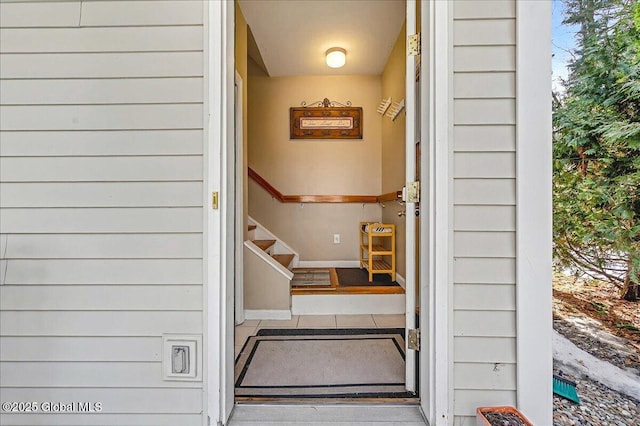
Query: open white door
x=238 y=213
x=410 y=176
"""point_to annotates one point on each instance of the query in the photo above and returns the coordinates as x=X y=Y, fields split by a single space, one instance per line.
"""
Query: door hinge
x=414 y=339
x=214 y=200
x=413 y=45
x=411 y=192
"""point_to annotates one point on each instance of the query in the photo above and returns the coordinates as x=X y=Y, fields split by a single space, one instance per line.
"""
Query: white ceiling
x=293 y=35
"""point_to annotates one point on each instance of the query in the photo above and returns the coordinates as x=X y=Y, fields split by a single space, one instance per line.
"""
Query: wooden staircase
x=273 y=247
x=267 y=245
x=268 y=271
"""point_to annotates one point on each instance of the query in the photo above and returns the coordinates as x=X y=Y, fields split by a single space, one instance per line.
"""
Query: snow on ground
x=580 y=363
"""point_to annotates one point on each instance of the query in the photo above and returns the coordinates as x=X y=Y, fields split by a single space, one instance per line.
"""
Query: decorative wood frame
x=325 y=122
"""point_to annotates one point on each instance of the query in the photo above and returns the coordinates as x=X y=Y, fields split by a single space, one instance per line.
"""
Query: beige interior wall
x=313 y=167
x=264 y=287
x=393 y=145
x=304 y=166
x=241 y=67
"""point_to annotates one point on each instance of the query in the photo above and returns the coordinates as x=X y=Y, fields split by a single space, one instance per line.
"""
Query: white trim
x=440 y=227
x=400 y=280
x=267 y=314
x=410 y=176
x=533 y=210
x=218 y=316
x=347 y=304
x=328 y=264
x=211 y=231
x=268 y=259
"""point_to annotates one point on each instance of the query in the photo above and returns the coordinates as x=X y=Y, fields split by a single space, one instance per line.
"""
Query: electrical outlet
x=336 y=238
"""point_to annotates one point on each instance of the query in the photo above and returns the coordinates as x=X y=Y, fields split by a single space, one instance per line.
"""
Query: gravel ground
x=599 y=405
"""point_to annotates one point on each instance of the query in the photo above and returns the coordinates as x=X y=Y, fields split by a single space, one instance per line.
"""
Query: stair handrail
x=262 y=182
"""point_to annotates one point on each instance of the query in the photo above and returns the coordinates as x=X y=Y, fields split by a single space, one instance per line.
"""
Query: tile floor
x=251 y=327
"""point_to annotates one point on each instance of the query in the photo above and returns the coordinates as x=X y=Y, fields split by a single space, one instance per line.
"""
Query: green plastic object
x=565 y=388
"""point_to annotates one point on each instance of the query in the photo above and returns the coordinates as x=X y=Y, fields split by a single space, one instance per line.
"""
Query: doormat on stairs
x=322 y=363
x=312 y=278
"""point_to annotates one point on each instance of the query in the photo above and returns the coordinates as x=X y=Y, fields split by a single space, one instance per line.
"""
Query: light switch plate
x=181 y=359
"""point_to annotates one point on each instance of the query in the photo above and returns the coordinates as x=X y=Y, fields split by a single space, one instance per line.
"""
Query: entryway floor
x=251 y=327
x=342 y=415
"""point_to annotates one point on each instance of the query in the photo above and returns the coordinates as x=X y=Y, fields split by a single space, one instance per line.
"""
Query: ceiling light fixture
x=336 y=57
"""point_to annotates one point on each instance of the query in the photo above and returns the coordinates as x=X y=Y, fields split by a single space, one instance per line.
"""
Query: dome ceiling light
x=336 y=57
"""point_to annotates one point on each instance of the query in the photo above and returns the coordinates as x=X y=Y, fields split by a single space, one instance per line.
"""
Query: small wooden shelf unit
x=375 y=257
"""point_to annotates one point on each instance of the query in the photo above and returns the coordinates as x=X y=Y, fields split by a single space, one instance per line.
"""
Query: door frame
x=435 y=281
x=436 y=218
x=218 y=292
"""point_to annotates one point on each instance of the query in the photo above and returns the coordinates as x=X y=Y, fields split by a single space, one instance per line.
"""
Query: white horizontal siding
x=484 y=165
x=89 y=220
x=485 y=323
x=484 y=197
x=49 y=14
x=484 y=9
x=484 y=191
x=102 y=246
x=482 y=349
x=485 y=138
x=103 y=271
x=484 y=111
x=102 y=65
x=101 y=91
x=101 y=194
x=485 y=85
x=136 y=13
x=101 y=117
x=484 y=218
x=466 y=400
x=100 y=169
x=484 y=271
x=495 y=376
x=484 y=297
x=484 y=244
x=97 y=143
x=103 y=39
x=484 y=58
x=484 y=32
x=105 y=419
x=101 y=297
x=87 y=374
x=123 y=400
x=82 y=349
x=101 y=216
x=99 y=323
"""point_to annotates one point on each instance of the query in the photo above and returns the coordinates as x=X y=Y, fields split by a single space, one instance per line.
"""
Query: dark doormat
x=328 y=363
x=352 y=277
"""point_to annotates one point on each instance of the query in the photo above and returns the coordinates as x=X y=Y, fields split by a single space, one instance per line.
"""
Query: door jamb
x=218 y=31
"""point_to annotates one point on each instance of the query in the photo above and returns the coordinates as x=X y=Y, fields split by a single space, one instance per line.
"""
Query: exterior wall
x=101 y=222
x=393 y=145
x=484 y=197
x=313 y=167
